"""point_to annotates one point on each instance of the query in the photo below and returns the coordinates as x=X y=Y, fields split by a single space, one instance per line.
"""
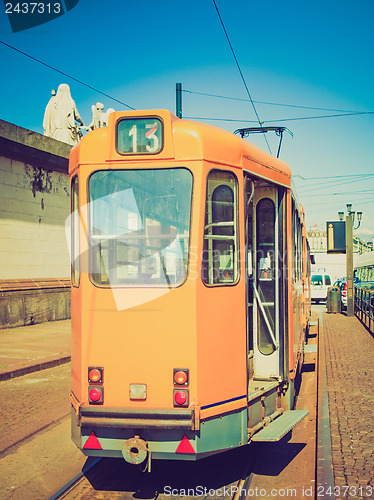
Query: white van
x=319 y=285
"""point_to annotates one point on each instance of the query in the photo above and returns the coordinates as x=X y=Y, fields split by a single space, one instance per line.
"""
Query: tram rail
x=73 y=483
x=274 y=468
x=81 y=485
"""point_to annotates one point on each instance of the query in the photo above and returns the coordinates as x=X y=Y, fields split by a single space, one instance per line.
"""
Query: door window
x=265 y=289
x=220 y=255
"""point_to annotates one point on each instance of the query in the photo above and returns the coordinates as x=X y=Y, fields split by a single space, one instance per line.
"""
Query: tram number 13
x=139 y=136
x=150 y=135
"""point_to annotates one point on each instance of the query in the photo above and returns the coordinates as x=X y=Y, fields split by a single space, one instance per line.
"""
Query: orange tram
x=190 y=277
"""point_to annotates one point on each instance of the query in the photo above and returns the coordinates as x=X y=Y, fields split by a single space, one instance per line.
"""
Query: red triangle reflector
x=92 y=443
x=185 y=446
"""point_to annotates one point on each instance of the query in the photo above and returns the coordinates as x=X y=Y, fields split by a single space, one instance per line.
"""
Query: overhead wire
x=284 y=119
x=344 y=112
x=240 y=72
x=66 y=74
x=323 y=116
x=221 y=119
x=353 y=193
x=328 y=185
x=330 y=176
x=267 y=103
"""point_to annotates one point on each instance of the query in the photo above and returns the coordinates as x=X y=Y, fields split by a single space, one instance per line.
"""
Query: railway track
x=272 y=470
x=221 y=477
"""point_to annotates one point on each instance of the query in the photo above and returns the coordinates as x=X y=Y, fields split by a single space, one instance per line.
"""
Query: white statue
x=99 y=118
x=48 y=110
x=61 y=115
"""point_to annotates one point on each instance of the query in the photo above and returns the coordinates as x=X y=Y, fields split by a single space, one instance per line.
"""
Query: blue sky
x=314 y=54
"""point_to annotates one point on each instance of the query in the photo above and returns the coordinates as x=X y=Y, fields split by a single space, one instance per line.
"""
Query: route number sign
x=139 y=136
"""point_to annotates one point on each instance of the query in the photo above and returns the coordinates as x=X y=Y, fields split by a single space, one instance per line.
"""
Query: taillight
x=95 y=387
x=180 y=376
x=95 y=394
x=95 y=375
x=181 y=397
x=345 y=289
x=181 y=379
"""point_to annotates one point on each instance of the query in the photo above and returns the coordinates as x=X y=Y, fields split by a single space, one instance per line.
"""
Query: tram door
x=262 y=283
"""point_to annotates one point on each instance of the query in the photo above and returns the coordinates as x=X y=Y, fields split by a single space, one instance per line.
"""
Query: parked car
x=319 y=285
x=342 y=283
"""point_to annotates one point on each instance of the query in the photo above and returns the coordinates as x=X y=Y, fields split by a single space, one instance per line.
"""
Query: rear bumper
x=98 y=417
x=168 y=434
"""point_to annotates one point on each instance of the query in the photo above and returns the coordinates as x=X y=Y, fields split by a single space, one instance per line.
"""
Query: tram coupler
x=135 y=451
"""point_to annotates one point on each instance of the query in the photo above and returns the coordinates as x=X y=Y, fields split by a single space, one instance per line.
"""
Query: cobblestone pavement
x=32 y=402
x=350 y=378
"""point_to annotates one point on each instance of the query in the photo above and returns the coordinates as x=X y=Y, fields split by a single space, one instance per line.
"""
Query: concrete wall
x=28 y=302
x=34 y=204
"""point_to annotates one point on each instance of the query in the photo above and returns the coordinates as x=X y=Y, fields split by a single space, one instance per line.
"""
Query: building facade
x=34 y=205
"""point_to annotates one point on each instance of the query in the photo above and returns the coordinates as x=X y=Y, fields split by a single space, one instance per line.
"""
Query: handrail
x=261 y=304
x=364 y=306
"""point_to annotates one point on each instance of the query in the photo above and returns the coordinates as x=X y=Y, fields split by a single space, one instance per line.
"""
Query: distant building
x=333 y=264
x=317 y=239
x=318 y=242
x=360 y=246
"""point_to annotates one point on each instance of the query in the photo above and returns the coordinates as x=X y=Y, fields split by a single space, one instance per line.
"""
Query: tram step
x=280 y=426
x=310 y=348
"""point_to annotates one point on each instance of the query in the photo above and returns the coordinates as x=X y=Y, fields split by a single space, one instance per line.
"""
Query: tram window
x=294 y=267
x=140 y=226
x=266 y=266
x=220 y=255
x=75 y=259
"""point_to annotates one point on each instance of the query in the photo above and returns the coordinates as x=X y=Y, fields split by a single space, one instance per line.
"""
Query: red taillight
x=95 y=391
x=180 y=376
x=345 y=289
x=181 y=397
x=95 y=394
x=95 y=375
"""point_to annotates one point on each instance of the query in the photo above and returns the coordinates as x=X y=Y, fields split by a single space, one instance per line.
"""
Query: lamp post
x=349 y=223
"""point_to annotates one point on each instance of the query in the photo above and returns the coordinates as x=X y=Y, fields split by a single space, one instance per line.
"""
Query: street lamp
x=359 y=217
x=349 y=223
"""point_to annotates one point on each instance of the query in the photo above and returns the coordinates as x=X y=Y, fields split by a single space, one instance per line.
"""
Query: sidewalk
x=349 y=350
x=27 y=349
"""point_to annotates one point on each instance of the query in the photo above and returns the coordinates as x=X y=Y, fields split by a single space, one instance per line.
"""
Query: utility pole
x=349 y=262
x=349 y=223
x=179 y=100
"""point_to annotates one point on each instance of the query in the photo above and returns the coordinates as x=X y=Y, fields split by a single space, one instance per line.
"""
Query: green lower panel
x=215 y=435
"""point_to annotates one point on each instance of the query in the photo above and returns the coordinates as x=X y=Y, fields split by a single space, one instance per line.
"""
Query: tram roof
x=183 y=140
x=365 y=259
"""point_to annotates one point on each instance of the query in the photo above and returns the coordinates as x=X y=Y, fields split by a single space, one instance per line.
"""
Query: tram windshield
x=139 y=226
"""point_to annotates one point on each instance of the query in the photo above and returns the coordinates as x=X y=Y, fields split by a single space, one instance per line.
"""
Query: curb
x=34 y=367
x=324 y=467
